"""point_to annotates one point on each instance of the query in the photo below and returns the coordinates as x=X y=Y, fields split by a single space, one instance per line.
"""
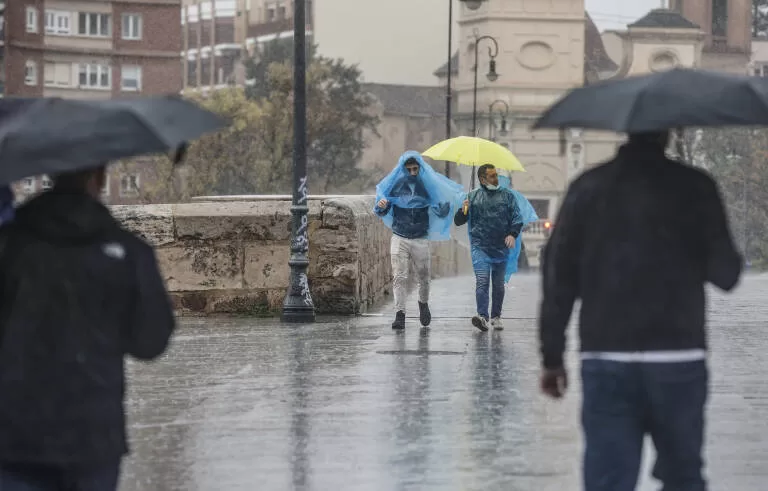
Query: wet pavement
x=346 y=404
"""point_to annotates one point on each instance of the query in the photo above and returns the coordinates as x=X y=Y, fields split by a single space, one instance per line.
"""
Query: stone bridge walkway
x=346 y=404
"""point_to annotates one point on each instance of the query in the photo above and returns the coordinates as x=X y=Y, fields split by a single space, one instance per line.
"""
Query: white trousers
x=404 y=253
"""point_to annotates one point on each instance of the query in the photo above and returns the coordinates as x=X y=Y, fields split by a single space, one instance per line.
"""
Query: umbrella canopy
x=467 y=150
x=51 y=135
x=662 y=101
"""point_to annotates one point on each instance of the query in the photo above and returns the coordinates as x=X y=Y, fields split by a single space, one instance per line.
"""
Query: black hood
x=65 y=217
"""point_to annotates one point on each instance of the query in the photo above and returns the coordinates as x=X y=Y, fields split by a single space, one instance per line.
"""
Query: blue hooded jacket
x=417 y=206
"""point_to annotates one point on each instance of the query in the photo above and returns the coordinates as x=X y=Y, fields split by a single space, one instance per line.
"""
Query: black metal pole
x=474 y=106
x=448 y=90
x=298 y=306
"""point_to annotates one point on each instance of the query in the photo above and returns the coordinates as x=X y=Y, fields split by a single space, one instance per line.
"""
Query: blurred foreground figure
x=636 y=240
x=78 y=294
x=7 y=205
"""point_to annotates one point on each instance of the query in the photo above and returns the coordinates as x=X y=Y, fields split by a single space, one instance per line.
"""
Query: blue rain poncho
x=527 y=215
x=493 y=215
x=436 y=195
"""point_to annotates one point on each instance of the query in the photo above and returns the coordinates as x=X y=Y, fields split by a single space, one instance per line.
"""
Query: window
x=131 y=26
x=130 y=78
x=31 y=19
x=28 y=185
x=94 y=24
x=57 y=22
x=720 y=18
x=271 y=13
x=46 y=183
x=30 y=73
x=281 y=12
x=129 y=185
x=541 y=206
x=58 y=74
x=95 y=76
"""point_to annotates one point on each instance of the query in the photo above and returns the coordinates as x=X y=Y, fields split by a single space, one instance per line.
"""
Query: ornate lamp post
x=493 y=52
x=471 y=5
x=504 y=116
x=298 y=306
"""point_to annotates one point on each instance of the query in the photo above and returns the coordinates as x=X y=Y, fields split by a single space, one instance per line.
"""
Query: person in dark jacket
x=410 y=204
x=636 y=240
x=7 y=205
x=495 y=223
x=79 y=293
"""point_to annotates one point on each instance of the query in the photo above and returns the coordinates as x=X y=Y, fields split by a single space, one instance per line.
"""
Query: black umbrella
x=661 y=101
x=50 y=135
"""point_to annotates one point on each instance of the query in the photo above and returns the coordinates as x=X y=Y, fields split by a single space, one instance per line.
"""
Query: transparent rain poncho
x=438 y=191
x=489 y=222
x=527 y=215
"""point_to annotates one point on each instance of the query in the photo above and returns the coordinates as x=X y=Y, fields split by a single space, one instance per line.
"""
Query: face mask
x=491 y=187
x=411 y=178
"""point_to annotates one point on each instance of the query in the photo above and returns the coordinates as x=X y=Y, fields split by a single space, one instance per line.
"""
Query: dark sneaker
x=425 y=316
x=480 y=323
x=399 y=321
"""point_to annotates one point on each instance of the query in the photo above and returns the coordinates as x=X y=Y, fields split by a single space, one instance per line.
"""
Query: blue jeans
x=625 y=401
x=41 y=477
x=489 y=275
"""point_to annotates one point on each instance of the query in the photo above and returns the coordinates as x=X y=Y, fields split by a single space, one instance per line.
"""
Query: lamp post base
x=298 y=306
x=297 y=313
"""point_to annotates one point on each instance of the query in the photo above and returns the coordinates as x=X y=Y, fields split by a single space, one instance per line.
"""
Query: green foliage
x=254 y=155
x=759 y=18
x=738 y=159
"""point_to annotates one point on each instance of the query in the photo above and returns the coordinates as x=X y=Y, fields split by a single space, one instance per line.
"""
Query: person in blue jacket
x=415 y=202
x=495 y=223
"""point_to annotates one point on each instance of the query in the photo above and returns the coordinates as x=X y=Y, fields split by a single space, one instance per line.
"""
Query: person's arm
x=560 y=280
x=382 y=210
x=460 y=218
x=723 y=261
x=153 y=321
x=442 y=209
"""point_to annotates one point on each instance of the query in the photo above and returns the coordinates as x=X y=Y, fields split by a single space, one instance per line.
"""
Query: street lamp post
x=493 y=52
x=504 y=116
x=471 y=5
x=298 y=306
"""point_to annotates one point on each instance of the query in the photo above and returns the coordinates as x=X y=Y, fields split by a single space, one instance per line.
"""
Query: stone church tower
x=543 y=53
x=728 y=28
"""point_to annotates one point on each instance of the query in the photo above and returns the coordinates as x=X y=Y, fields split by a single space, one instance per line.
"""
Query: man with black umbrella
x=77 y=294
x=636 y=240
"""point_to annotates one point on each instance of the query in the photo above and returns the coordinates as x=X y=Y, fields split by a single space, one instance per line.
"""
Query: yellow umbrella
x=467 y=150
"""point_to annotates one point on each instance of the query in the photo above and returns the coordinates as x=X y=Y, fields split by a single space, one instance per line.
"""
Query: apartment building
x=92 y=49
x=216 y=34
x=2 y=48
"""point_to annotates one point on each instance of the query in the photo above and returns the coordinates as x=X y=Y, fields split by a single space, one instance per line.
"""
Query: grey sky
x=616 y=14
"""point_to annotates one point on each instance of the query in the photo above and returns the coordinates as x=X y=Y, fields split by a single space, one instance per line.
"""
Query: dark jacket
x=636 y=239
x=495 y=216
x=411 y=223
x=78 y=294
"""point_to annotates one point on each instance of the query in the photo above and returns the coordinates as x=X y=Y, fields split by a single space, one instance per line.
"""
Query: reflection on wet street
x=247 y=404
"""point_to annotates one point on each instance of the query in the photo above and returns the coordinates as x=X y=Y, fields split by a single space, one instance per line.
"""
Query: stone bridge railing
x=230 y=254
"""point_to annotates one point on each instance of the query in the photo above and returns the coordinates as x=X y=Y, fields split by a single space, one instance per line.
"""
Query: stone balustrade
x=230 y=254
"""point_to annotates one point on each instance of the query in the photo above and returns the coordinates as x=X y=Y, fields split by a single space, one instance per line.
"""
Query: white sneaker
x=496 y=324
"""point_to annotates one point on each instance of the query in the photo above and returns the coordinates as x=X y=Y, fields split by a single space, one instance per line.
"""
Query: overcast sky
x=616 y=14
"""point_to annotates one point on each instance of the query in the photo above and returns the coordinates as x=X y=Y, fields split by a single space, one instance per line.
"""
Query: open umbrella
x=51 y=135
x=662 y=101
x=467 y=150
